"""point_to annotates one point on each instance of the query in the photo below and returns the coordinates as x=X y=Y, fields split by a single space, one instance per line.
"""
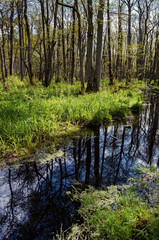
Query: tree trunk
x=80 y=46
x=120 y=43
x=48 y=44
x=97 y=75
x=73 y=49
x=109 y=47
x=89 y=63
x=128 y=77
x=2 y=69
x=140 y=48
x=4 y=48
x=11 y=38
x=58 y=58
x=20 y=26
x=63 y=46
x=156 y=58
x=29 y=67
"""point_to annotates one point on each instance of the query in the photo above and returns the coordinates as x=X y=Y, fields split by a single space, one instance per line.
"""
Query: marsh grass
x=31 y=116
x=119 y=212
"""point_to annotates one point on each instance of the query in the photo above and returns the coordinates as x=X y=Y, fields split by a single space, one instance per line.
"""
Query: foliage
x=33 y=115
x=155 y=85
x=118 y=212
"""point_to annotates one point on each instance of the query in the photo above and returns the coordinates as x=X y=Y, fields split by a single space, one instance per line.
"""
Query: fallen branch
x=115 y=138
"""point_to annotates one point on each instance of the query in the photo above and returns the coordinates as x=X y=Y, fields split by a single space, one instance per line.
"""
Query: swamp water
x=33 y=194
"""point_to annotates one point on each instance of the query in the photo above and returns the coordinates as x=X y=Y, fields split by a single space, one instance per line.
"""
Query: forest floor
x=32 y=117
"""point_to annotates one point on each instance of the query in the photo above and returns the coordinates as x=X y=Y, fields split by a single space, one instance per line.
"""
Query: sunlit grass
x=34 y=115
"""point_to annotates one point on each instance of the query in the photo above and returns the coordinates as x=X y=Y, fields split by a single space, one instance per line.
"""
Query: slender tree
x=2 y=69
x=11 y=37
x=89 y=63
x=97 y=75
x=19 y=6
x=109 y=45
x=120 y=42
x=29 y=66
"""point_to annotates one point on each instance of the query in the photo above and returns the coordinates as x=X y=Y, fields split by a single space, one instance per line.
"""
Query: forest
x=79 y=119
x=82 y=40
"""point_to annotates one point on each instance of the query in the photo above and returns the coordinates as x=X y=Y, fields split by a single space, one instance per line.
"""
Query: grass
x=119 y=212
x=32 y=116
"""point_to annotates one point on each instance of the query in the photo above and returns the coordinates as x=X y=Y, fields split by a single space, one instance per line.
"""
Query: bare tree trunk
x=2 y=69
x=30 y=70
x=129 y=42
x=97 y=75
x=89 y=63
x=156 y=58
x=48 y=44
x=4 y=48
x=11 y=38
x=140 y=49
x=75 y=9
x=20 y=25
x=58 y=58
x=40 y=55
x=80 y=46
x=73 y=49
x=63 y=45
x=109 y=47
x=120 y=43
x=44 y=41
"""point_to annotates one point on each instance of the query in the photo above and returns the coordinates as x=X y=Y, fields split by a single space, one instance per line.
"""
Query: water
x=33 y=199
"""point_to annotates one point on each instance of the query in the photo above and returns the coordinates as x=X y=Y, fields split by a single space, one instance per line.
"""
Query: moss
x=119 y=212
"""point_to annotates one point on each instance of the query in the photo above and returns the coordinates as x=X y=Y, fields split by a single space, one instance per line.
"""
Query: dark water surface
x=33 y=199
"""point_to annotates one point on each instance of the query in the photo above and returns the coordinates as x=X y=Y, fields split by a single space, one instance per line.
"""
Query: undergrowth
x=155 y=85
x=31 y=116
x=119 y=212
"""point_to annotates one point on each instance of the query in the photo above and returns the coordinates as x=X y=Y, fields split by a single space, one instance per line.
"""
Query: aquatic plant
x=118 y=212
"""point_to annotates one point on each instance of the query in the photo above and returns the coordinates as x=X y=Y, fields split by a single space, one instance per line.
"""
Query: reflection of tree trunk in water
x=88 y=160
x=138 y=134
x=96 y=163
x=145 y=115
x=47 y=173
x=153 y=132
x=151 y=113
x=105 y=139
x=11 y=193
x=48 y=180
x=51 y=171
x=114 y=155
x=79 y=154
x=75 y=159
x=65 y=161
x=61 y=173
x=121 y=152
x=39 y=175
x=50 y=174
x=36 y=171
x=132 y=140
x=114 y=142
